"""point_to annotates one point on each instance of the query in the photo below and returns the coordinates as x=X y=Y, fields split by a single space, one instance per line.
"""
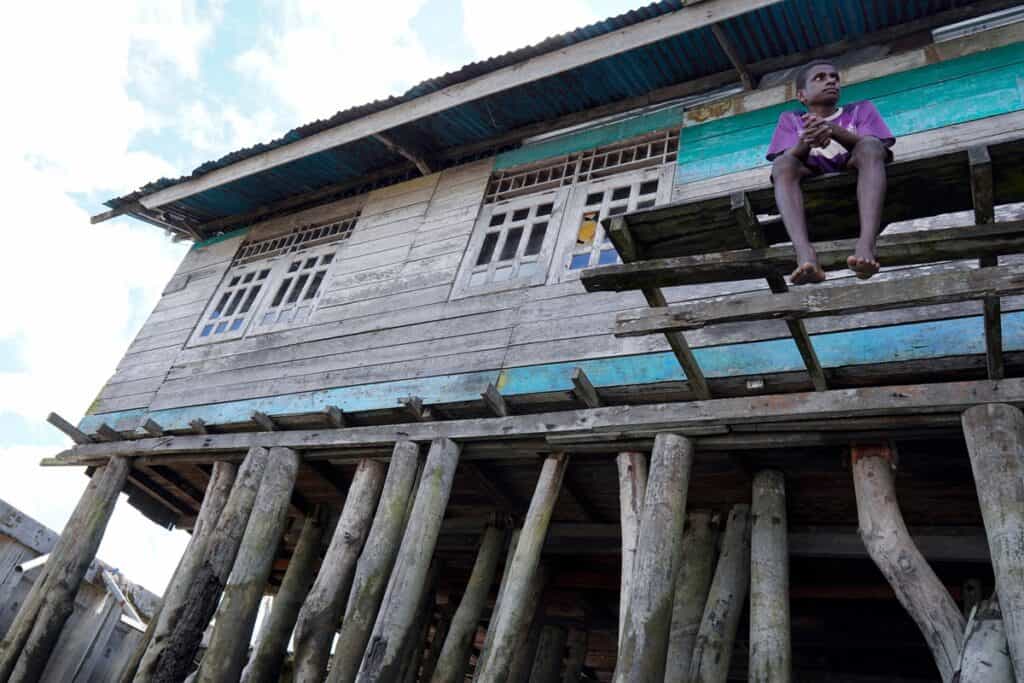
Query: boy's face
x=822 y=86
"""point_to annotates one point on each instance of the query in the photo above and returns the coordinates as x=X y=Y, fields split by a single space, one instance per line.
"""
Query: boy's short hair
x=803 y=72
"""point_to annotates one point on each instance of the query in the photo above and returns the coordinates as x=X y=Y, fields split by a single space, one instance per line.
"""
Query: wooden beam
x=198 y=426
x=521 y=73
x=414 y=406
x=72 y=432
x=326 y=472
x=107 y=433
x=485 y=480
x=904 y=249
x=495 y=401
x=819 y=301
x=734 y=56
x=264 y=421
x=418 y=160
x=583 y=390
x=982 y=195
x=153 y=428
x=688 y=417
x=335 y=416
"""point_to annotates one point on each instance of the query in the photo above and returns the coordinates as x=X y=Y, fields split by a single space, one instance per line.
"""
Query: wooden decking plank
x=818 y=301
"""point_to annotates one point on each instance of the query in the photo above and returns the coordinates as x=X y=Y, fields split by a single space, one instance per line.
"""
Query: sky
x=107 y=95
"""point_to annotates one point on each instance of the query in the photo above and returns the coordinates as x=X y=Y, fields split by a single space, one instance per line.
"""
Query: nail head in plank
x=264 y=421
x=72 y=432
x=495 y=401
x=584 y=390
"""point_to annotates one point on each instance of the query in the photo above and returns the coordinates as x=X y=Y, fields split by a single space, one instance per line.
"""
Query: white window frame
x=237 y=323
x=299 y=299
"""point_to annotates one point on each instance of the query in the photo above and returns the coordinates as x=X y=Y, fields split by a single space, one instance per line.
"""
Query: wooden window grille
x=297 y=290
x=234 y=303
x=300 y=238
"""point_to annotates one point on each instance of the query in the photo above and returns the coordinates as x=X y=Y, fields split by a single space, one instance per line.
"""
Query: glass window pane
x=248 y=277
x=645 y=204
x=497 y=219
x=220 y=306
x=294 y=266
x=206 y=331
x=620 y=193
x=487 y=249
x=650 y=187
x=281 y=292
x=249 y=299
x=234 y=302
x=588 y=228
x=594 y=198
x=264 y=274
x=326 y=258
x=616 y=210
x=579 y=261
x=236 y=323
x=520 y=214
x=545 y=209
x=234 y=281
x=297 y=289
x=607 y=256
x=314 y=286
x=536 y=240
x=508 y=250
x=221 y=326
x=310 y=262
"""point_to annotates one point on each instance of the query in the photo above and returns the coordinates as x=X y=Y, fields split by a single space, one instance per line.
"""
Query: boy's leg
x=787 y=172
x=868 y=157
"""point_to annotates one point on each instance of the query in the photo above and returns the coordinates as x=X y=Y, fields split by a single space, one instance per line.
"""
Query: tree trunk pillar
x=632 y=488
x=995 y=442
x=513 y=543
x=691 y=592
x=547 y=662
x=770 y=649
x=986 y=655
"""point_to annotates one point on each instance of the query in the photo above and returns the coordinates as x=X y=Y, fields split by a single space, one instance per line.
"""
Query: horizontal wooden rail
x=819 y=301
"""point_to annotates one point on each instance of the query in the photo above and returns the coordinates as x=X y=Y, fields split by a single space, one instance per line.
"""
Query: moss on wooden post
x=691 y=592
x=770 y=649
x=513 y=542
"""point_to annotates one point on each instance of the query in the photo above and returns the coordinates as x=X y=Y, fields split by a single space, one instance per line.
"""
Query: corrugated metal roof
x=788 y=28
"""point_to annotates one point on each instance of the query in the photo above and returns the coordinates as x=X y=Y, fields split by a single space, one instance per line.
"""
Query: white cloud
x=216 y=130
x=494 y=28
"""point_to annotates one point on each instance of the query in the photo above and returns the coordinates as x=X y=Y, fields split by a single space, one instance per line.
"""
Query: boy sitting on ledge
x=826 y=139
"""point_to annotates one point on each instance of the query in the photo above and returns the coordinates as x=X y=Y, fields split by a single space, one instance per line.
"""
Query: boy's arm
x=787 y=140
x=872 y=125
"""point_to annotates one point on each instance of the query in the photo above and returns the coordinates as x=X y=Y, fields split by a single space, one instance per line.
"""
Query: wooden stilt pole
x=547 y=663
x=236 y=615
x=995 y=442
x=528 y=639
x=413 y=657
x=770 y=649
x=512 y=617
x=632 y=487
x=318 y=619
x=717 y=633
x=375 y=563
x=986 y=655
x=454 y=657
x=577 y=652
x=645 y=643
x=394 y=624
x=171 y=660
x=889 y=544
x=440 y=634
x=268 y=657
x=32 y=635
x=222 y=478
x=691 y=592
x=513 y=542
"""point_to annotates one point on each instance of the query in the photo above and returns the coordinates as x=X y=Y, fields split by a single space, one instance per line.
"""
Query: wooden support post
x=527 y=640
x=512 y=617
x=495 y=401
x=583 y=390
x=713 y=649
x=375 y=563
x=986 y=655
x=107 y=433
x=318 y=619
x=264 y=421
x=577 y=652
x=632 y=487
x=889 y=544
x=71 y=431
x=170 y=660
x=222 y=478
x=645 y=643
x=413 y=657
x=995 y=442
x=770 y=648
x=236 y=614
x=454 y=657
x=268 y=657
x=746 y=78
x=153 y=428
x=30 y=639
x=440 y=634
x=513 y=543
x=393 y=628
x=982 y=195
x=691 y=591
x=414 y=406
x=547 y=662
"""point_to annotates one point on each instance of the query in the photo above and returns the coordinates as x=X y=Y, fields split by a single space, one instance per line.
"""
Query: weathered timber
x=713 y=649
x=982 y=196
x=495 y=401
x=971 y=593
x=375 y=563
x=71 y=431
x=576 y=645
x=152 y=427
x=414 y=406
x=199 y=426
x=632 y=467
x=901 y=249
x=170 y=660
x=454 y=657
x=412 y=658
x=995 y=442
x=770 y=648
x=30 y=639
x=236 y=614
x=528 y=639
x=218 y=488
x=395 y=619
x=107 y=433
x=513 y=543
x=826 y=300
x=889 y=544
x=512 y=616
x=791 y=409
x=547 y=662
x=264 y=421
x=324 y=605
x=746 y=78
x=986 y=655
x=437 y=638
x=681 y=349
x=645 y=643
x=335 y=416
x=268 y=655
x=691 y=591
x=584 y=390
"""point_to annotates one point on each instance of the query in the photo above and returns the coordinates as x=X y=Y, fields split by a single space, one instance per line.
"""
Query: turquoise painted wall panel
x=220 y=238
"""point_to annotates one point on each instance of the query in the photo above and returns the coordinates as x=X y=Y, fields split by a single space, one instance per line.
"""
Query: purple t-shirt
x=860 y=117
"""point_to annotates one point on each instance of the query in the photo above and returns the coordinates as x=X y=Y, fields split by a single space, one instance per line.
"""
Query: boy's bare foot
x=807 y=273
x=862 y=267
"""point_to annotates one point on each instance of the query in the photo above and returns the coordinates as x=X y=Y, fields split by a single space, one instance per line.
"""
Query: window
x=296 y=290
x=234 y=303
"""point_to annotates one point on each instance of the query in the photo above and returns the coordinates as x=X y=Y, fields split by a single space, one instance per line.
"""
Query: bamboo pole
x=995 y=442
x=889 y=544
x=770 y=648
x=393 y=627
x=30 y=638
x=713 y=649
x=318 y=619
x=172 y=659
x=577 y=653
x=986 y=655
x=218 y=488
x=268 y=657
x=513 y=542
x=632 y=487
x=547 y=663
x=512 y=618
x=375 y=563
x=691 y=592
x=454 y=657
x=236 y=615
x=645 y=643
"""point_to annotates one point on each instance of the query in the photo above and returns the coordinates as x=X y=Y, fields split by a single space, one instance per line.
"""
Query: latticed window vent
x=300 y=238
x=645 y=151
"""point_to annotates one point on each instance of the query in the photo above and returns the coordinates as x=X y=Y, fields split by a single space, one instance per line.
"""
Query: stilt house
x=500 y=378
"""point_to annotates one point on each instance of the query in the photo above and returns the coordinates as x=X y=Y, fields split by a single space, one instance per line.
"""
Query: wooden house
x=504 y=332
